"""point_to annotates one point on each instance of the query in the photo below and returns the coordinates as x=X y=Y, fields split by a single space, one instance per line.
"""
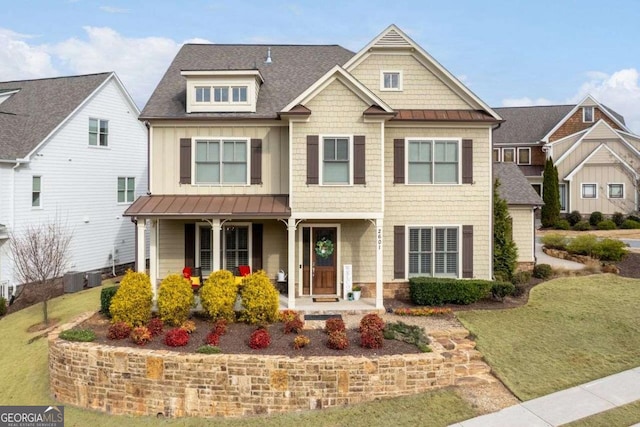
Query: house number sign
x=379 y=233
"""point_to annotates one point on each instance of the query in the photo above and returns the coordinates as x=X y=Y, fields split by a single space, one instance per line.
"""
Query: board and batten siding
x=421 y=89
x=442 y=204
x=587 y=147
x=602 y=176
x=522 y=220
x=165 y=158
x=560 y=147
x=79 y=182
x=337 y=111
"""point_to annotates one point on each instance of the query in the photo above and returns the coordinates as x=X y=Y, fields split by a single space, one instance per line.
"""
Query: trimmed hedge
x=106 y=294
x=439 y=291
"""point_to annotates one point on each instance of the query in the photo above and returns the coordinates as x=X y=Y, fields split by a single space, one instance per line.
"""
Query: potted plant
x=350 y=296
x=356 y=292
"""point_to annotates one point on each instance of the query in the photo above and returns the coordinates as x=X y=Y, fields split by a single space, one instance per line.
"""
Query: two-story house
x=339 y=168
x=597 y=156
x=72 y=151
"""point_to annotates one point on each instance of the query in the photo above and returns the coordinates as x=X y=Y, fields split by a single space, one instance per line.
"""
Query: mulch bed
x=630 y=266
x=236 y=341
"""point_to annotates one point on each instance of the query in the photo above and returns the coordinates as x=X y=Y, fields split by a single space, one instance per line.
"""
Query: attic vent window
x=587 y=114
x=391 y=80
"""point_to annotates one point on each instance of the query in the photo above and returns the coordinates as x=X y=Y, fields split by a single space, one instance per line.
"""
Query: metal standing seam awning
x=198 y=206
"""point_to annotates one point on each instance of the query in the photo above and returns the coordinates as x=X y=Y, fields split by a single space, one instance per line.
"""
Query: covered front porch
x=310 y=258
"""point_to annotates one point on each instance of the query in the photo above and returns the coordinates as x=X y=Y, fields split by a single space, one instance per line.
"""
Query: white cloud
x=110 y=9
x=139 y=62
x=525 y=102
x=21 y=61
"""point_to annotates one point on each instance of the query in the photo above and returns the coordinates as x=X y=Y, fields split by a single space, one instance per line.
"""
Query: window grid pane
x=36 y=186
x=236 y=247
x=420 y=252
x=588 y=191
x=616 y=191
x=205 y=248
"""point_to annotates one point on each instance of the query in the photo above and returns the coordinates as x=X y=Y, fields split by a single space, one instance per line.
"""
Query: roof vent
x=268 y=60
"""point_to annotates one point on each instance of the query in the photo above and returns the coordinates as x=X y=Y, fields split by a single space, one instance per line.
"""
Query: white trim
x=391 y=89
x=337 y=245
x=575 y=109
x=513 y=149
x=329 y=77
x=221 y=251
x=580 y=165
x=609 y=184
x=458 y=86
x=126 y=188
x=595 y=187
x=583 y=137
x=524 y=144
x=98 y=133
x=39 y=206
x=407 y=140
x=149 y=177
x=584 y=113
x=382 y=164
x=561 y=140
x=499 y=159
x=518 y=152
x=337 y=215
x=567 y=208
x=433 y=227
x=221 y=140
x=226 y=73
x=321 y=160
x=223 y=243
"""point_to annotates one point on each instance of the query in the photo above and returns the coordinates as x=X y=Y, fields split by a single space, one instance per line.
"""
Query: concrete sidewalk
x=567 y=405
x=542 y=258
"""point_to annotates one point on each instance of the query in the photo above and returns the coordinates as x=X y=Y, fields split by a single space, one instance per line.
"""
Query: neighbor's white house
x=71 y=150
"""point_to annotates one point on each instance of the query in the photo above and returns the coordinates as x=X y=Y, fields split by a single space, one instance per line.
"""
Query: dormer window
x=239 y=94
x=587 y=114
x=203 y=94
x=221 y=94
x=224 y=91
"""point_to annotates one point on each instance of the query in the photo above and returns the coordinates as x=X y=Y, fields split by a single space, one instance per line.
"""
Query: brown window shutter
x=467 y=161
x=189 y=245
x=398 y=161
x=398 y=252
x=467 y=251
x=185 y=160
x=256 y=247
x=312 y=159
x=359 y=160
x=256 y=161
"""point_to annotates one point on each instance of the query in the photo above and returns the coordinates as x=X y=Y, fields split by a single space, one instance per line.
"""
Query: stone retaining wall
x=136 y=381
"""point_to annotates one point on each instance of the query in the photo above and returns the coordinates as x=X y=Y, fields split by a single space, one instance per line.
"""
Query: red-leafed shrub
x=260 y=338
x=334 y=324
x=371 y=338
x=293 y=325
x=219 y=327
x=212 y=338
x=338 y=340
x=176 y=337
x=371 y=322
x=155 y=326
x=141 y=335
x=119 y=331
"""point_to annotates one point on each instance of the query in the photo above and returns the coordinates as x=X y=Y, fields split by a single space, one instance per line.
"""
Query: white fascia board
x=430 y=61
x=226 y=73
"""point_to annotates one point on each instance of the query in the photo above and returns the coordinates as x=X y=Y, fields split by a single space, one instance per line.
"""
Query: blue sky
x=507 y=52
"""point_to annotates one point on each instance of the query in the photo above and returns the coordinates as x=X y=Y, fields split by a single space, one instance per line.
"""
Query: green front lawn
x=622 y=416
x=25 y=382
x=573 y=330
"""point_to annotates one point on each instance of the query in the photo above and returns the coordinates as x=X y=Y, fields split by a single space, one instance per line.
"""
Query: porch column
x=153 y=256
x=379 y=287
x=292 y=272
x=215 y=244
x=141 y=260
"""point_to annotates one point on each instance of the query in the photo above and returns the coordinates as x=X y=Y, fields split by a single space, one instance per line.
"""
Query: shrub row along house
x=313 y=158
x=72 y=151
x=597 y=156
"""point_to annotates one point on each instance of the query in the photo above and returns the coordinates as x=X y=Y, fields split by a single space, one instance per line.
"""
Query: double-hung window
x=221 y=161
x=98 y=132
x=524 y=155
x=36 y=191
x=336 y=168
x=433 y=251
x=126 y=189
x=587 y=114
x=433 y=161
x=236 y=247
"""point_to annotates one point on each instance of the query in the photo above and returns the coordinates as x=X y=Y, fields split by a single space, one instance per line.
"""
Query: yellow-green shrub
x=259 y=298
x=218 y=295
x=175 y=298
x=132 y=302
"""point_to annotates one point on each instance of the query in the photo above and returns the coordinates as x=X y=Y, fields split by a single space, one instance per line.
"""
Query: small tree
x=505 y=251
x=40 y=255
x=550 y=195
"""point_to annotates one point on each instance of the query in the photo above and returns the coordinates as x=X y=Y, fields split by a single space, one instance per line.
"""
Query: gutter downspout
x=18 y=163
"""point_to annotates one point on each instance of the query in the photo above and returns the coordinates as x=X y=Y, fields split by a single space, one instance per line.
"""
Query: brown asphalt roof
x=198 y=206
x=39 y=106
x=293 y=69
x=514 y=187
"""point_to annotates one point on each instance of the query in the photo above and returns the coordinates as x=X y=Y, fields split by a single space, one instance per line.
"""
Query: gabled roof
x=514 y=187
x=587 y=101
x=528 y=124
x=586 y=160
x=394 y=38
x=293 y=69
x=38 y=108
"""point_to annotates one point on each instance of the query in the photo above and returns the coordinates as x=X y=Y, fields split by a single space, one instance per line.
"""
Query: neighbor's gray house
x=339 y=168
x=72 y=150
x=597 y=156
